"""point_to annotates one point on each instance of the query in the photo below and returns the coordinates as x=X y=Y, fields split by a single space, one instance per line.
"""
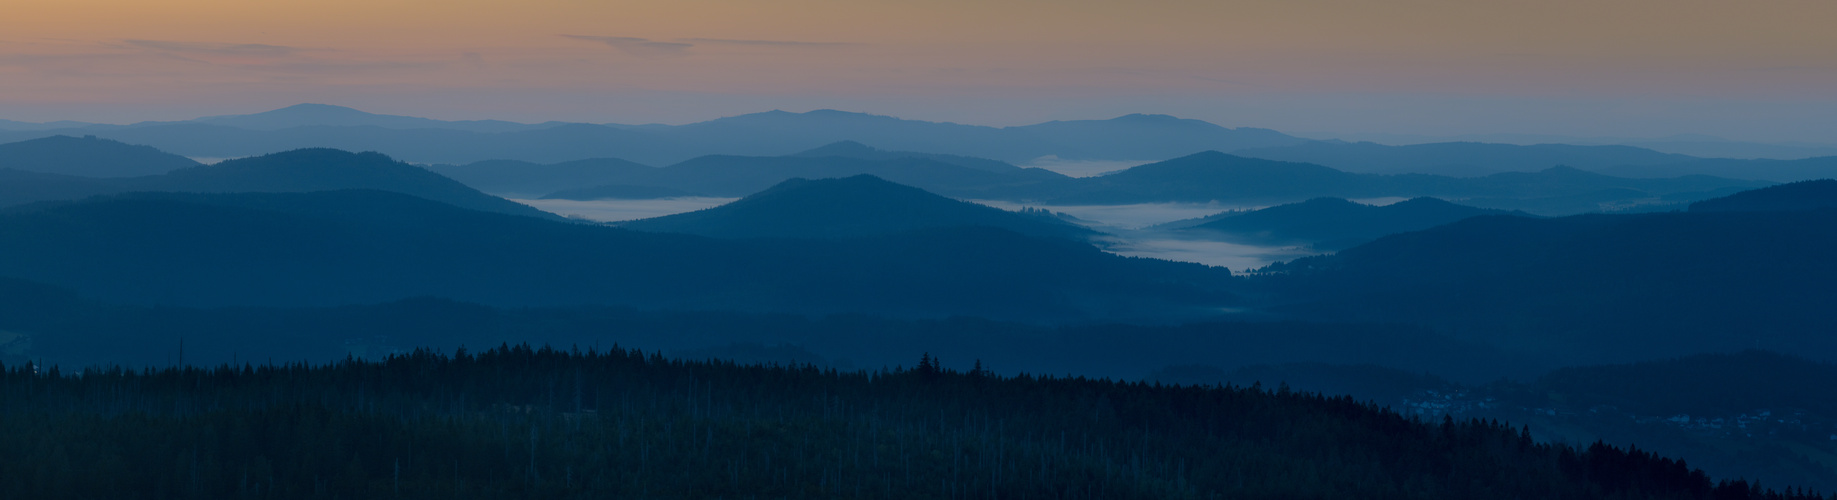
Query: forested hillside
x=88 y=157
x=361 y=247
x=861 y=205
x=516 y=421
x=297 y=171
x=1594 y=288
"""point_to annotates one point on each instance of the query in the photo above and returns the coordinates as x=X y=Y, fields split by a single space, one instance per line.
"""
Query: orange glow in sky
x=1294 y=64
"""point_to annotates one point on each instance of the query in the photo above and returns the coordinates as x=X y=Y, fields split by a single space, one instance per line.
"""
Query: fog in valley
x=611 y=210
x=1083 y=168
x=1130 y=227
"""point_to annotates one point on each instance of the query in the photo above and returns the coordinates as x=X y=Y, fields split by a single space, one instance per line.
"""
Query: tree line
x=517 y=421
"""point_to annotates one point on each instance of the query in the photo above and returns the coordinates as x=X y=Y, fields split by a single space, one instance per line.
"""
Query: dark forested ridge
x=359 y=247
x=1704 y=384
x=304 y=170
x=1595 y=288
x=1334 y=223
x=1803 y=195
x=1823 y=167
x=1754 y=414
x=861 y=205
x=1213 y=176
x=88 y=157
x=520 y=422
x=56 y=326
x=722 y=175
x=1462 y=159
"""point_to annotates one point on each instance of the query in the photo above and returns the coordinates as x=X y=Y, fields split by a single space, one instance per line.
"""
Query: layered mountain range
x=852 y=254
x=1137 y=137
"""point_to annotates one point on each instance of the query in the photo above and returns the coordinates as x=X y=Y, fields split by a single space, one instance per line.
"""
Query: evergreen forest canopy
x=1751 y=414
x=522 y=422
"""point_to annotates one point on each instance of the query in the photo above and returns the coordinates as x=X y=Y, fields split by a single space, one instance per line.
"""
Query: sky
x=1763 y=71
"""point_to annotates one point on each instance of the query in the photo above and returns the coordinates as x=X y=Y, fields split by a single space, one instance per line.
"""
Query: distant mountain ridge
x=857 y=206
x=1199 y=178
x=1823 y=167
x=358 y=247
x=1135 y=137
x=1335 y=223
x=1803 y=195
x=311 y=115
x=1203 y=177
x=292 y=171
x=1462 y=159
x=56 y=125
x=1213 y=175
x=88 y=157
x=420 y=140
x=736 y=176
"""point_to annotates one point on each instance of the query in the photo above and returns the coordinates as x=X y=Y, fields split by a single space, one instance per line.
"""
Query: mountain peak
x=815 y=114
x=308 y=107
x=1158 y=120
x=856 y=206
x=1423 y=201
x=324 y=169
x=302 y=111
x=1147 y=117
x=834 y=112
x=323 y=155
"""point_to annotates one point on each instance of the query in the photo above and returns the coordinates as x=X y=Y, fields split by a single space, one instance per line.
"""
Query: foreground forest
x=517 y=421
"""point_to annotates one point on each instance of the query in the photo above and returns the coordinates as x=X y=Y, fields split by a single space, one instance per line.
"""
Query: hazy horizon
x=1076 y=168
x=1751 y=72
